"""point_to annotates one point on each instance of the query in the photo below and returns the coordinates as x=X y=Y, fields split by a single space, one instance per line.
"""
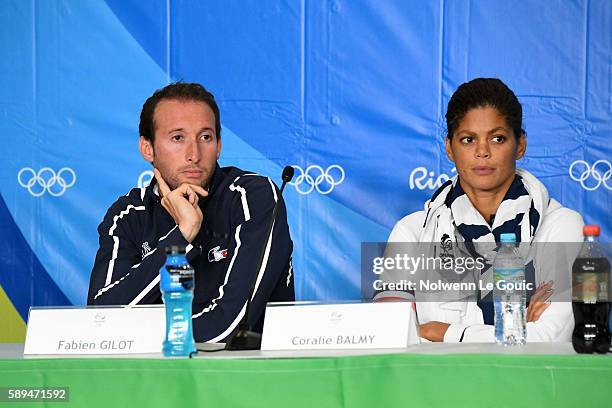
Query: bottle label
x=505 y=273
x=180 y=276
x=510 y=279
x=590 y=287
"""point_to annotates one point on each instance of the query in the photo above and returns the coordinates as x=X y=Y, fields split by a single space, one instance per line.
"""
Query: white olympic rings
x=324 y=178
x=46 y=179
x=145 y=178
x=601 y=175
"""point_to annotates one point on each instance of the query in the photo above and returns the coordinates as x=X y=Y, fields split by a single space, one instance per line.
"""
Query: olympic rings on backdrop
x=600 y=171
x=44 y=181
x=315 y=177
x=145 y=178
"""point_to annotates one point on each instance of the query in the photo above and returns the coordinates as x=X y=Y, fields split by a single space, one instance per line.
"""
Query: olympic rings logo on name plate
x=315 y=177
x=600 y=171
x=145 y=178
x=46 y=180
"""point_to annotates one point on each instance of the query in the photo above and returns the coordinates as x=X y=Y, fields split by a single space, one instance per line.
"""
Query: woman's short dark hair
x=181 y=91
x=481 y=93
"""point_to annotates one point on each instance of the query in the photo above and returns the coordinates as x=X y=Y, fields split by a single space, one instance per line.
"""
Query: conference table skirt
x=381 y=380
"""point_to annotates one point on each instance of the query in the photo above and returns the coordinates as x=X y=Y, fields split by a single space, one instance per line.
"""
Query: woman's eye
x=466 y=140
x=499 y=139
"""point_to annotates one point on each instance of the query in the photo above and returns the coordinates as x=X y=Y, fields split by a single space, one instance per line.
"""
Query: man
x=219 y=214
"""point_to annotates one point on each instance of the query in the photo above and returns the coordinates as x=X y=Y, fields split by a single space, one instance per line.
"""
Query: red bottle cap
x=592 y=230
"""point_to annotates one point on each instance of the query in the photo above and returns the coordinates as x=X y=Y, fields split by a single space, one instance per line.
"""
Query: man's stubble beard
x=205 y=184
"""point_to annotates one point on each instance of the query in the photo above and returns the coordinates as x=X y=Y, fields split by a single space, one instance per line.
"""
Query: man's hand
x=433 y=331
x=182 y=204
x=539 y=301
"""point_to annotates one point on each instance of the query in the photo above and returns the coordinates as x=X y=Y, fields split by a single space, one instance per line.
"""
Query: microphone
x=245 y=338
x=288 y=172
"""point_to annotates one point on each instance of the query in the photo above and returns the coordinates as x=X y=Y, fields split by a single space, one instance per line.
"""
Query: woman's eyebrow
x=496 y=129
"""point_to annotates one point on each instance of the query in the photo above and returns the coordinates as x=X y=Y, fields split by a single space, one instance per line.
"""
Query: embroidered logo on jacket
x=446 y=247
x=145 y=249
x=216 y=254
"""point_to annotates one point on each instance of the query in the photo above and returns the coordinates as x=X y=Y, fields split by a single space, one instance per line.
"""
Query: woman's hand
x=539 y=301
x=433 y=331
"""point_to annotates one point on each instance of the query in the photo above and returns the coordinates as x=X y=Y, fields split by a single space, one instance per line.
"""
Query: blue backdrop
x=353 y=93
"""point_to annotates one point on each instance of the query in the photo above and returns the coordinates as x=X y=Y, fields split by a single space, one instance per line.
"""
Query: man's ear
x=449 y=151
x=521 y=148
x=146 y=149
x=219 y=145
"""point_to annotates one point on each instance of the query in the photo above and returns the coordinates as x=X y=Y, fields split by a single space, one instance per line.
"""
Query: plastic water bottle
x=509 y=293
x=177 y=291
x=591 y=296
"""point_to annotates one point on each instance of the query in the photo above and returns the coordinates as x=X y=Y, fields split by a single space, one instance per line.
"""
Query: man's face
x=186 y=146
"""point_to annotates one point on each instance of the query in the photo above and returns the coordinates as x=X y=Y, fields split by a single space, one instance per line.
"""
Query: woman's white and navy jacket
x=559 y=225
x=137 y=229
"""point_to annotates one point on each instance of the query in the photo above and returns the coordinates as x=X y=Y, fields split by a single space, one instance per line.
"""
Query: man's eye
x=207 y=137
x=466 y=140
x=498 y=139
x=177 y=138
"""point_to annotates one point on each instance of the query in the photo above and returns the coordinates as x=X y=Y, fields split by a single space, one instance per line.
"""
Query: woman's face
x=485 y=151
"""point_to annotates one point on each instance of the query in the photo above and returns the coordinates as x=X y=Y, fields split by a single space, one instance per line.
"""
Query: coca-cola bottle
x=591 y=296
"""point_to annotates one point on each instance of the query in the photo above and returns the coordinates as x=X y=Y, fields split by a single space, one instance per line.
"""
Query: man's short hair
x=181 y=91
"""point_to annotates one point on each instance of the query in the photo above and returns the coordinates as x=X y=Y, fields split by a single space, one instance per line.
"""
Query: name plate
x=339 y=326
x=95 y=330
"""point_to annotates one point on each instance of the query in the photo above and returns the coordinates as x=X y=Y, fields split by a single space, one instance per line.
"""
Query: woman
x=487 y=197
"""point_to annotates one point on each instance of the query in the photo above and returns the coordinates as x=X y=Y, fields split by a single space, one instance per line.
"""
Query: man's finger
x=187 y=192
x=163 y=187
x=187 y=189
x=184 y=190
x=191 y=195
x=199 y=190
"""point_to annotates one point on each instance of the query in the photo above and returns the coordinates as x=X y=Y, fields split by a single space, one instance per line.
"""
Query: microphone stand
x=245 y=338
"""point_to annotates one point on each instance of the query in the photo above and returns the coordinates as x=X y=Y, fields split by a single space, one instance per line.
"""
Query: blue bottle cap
x=508 y=237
